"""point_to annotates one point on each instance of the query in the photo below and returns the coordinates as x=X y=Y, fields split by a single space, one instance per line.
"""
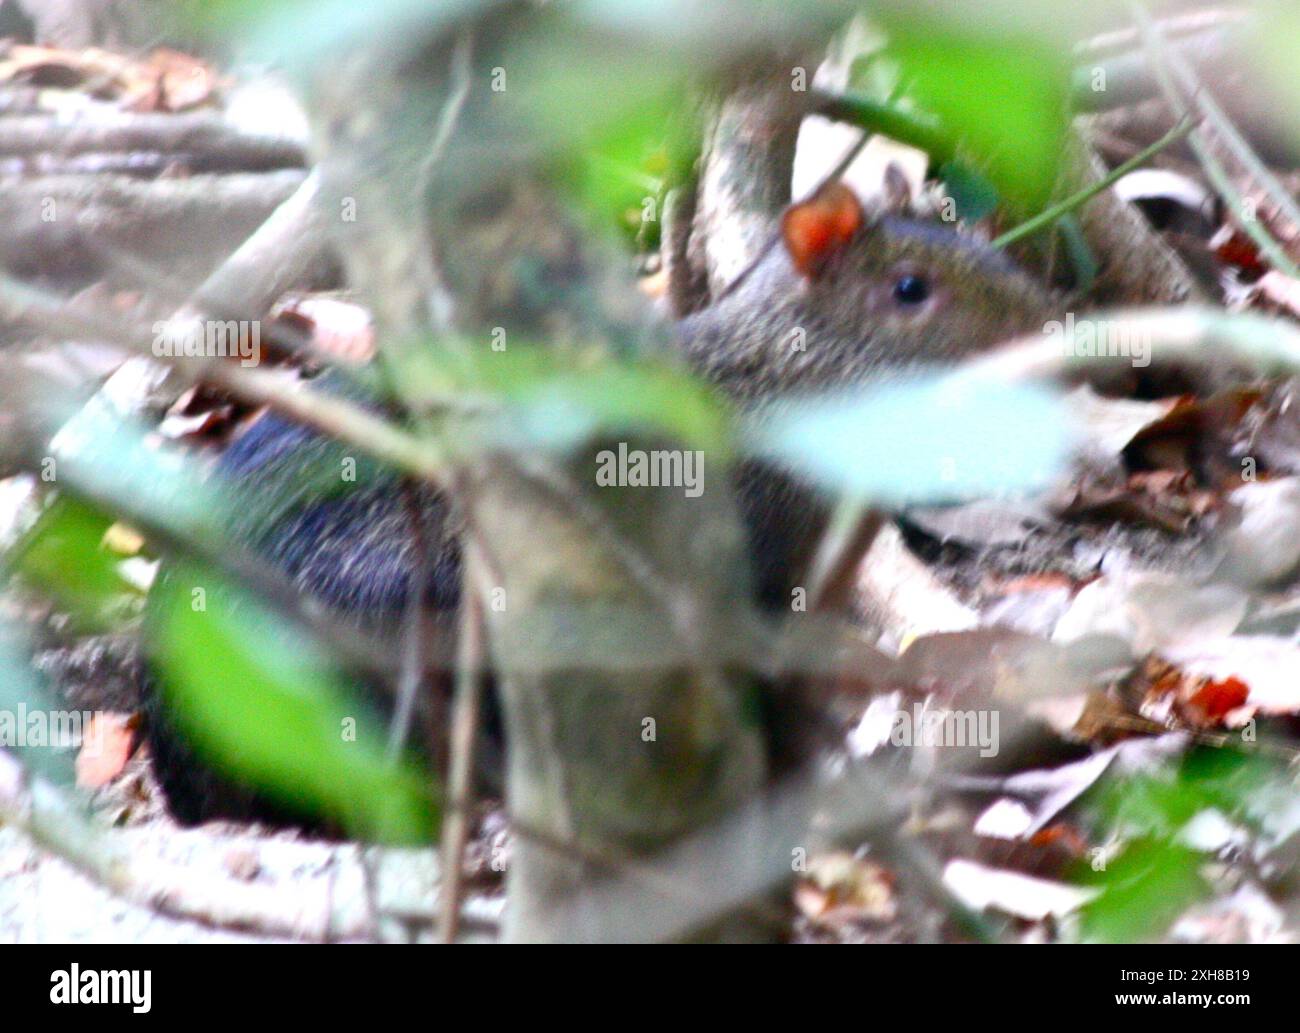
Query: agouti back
x=844 y=298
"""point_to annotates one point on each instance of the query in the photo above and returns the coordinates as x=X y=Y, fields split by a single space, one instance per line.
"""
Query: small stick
x=466 y=705
x=1232 y=138
x=1077 y=200
x=853 y=527
x=1214 y=169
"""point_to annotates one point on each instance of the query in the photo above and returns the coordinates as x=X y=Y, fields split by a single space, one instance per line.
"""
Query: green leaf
x=23 y=692
x=1146 y=888
x=557 y=398
x=937 y=437
x=1004 y=97
x=1273 y=39
x=63 y=553
x=260 y=702
x=619 y=178
x=974 y=196
x=1156 y=876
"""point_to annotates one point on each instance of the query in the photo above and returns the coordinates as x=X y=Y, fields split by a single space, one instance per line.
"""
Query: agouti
x=848 y=298
x=844 y=298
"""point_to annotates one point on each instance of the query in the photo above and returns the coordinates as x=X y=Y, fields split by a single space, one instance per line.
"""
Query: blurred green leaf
x=619 y=179
x=261 y=702
x=21 y=689
x=1162 y=801
x=974 y=196
x=578 y=87
x=1146 y=888
x=299 y=32
x=1005 y=98
x=934 y=438
x=1274 y=39
x=557 y=398
x=1156 y=876
x=63 y=553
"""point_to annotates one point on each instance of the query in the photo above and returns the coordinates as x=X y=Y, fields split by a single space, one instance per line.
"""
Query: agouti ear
x=816 y=229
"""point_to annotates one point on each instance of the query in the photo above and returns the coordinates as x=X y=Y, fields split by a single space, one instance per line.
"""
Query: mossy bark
x=608 y=609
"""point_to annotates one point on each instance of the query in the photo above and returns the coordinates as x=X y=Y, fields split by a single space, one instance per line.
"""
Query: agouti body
x=842 y=299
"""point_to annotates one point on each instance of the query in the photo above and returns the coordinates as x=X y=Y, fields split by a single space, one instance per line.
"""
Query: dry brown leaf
x=840 y=889
x=183 y=81
x=166 y=80
x=1279 y=292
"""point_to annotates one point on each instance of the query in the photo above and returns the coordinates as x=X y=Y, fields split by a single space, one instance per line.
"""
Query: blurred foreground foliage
x=607 y=85
x=1159 y=869
x=265 y=702
x=64 y=553
x=267 y=706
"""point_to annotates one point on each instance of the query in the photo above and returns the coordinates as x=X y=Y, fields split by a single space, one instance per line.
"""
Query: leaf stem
x=1078 y=200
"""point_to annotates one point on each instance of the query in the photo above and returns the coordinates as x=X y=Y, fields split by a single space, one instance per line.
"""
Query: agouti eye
x=911 y=290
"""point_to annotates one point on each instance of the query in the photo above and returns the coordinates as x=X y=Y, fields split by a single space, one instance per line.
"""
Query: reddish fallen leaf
x=1269 y=665
x=1062 y=836
x=1037 y=583
x=1192 y=428
x=1235 y=248
x=106 y=746
x=56 y=67
x=166 y=80
x=1217 y=698
x=1193 y=700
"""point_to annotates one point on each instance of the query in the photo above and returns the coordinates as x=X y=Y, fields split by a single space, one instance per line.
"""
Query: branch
x=206 y=142
x=306 y=905
x=332 y=416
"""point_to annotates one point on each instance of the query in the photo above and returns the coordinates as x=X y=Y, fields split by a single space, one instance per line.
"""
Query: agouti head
x=848 y=296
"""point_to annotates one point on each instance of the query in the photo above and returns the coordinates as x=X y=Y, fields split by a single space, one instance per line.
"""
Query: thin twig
x=414 y=662
x=1214 y=169
x=1077 y=200
x=439 y=302
x=1232 y=138
x=422 y=457
x=1179 y=25
x=466 y=705
x=775 y=236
